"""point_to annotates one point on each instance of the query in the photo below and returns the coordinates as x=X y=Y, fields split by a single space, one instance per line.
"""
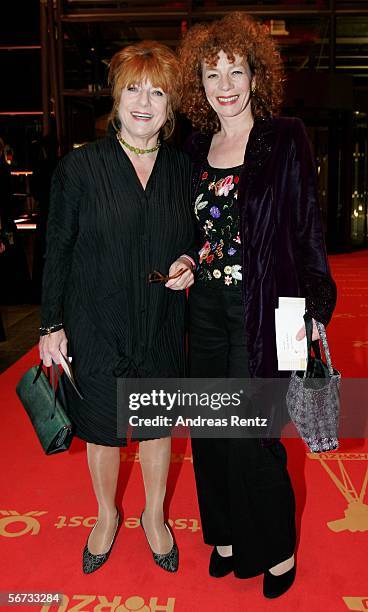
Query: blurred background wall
x=54 y=57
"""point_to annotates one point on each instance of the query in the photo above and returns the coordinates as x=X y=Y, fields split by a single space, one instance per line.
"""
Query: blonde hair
x=147 y=60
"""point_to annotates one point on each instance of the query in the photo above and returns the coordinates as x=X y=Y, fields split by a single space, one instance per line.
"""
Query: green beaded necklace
x=136 y=149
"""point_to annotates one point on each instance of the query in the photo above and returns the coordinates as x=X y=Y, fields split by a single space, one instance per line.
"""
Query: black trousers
x=244 y=490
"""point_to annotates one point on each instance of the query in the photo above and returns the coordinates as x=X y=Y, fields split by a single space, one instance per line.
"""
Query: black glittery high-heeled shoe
x=168 y=561
x=91 y=562
x=274 y=586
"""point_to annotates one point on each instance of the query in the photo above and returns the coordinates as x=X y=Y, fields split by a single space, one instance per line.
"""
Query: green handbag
x=46 y=408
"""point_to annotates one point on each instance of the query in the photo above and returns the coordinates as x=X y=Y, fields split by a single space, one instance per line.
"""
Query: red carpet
x=47 y=509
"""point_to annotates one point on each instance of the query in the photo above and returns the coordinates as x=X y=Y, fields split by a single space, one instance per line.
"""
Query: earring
x=253 y=87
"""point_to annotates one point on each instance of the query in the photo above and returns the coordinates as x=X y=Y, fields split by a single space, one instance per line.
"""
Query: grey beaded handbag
x=313 y=400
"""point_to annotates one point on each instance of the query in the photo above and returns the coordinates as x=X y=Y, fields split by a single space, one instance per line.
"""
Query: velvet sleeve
x=314 y=273
x=62 y=231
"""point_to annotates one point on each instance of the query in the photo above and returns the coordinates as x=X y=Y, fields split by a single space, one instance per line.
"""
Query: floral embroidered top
x=218 y=215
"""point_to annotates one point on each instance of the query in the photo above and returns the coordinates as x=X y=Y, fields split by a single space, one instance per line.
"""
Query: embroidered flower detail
x=204 y=251
x=236 y=180
x=210 y=258
x=215 y=212
x=211 y=185
x=204 y=175
x=227 y=269
x=236 y=195
x=224 y=186
x=236 y=272
x=208 y=225
x=199 y=204
x=219 y=247
x=228 y=280
x=231 y=251
x=216 y=273
x=237 y=239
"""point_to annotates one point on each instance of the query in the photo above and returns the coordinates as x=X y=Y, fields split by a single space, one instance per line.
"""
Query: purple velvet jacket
x=281 y=231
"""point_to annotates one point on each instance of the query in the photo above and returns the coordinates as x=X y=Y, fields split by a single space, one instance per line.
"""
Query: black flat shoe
x=220 y=566
x=91 y=562
x=274 y=586
x=168 y=561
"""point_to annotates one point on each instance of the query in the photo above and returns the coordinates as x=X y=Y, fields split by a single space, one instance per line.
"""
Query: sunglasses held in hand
x=158 y=277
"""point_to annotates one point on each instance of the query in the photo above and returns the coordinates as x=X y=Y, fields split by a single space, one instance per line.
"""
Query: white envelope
x=65 y=364
x=291 y=353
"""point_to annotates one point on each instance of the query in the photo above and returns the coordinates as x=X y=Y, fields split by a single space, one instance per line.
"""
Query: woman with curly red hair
x=255 y=199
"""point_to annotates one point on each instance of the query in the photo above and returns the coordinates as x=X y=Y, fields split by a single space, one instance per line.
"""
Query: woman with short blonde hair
x=152 y=61
x=120 y=214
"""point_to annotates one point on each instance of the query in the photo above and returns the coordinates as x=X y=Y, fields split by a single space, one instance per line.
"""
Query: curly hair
x=236 y=33
x=151 y=60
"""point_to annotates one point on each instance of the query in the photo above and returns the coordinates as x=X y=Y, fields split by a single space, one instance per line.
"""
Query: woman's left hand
x=301 y=333
x=183 y=281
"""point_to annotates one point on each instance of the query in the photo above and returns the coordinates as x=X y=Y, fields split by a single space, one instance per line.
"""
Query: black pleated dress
x=105 y=235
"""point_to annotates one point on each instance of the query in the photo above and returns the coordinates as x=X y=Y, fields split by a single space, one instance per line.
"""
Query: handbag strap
x=315 y=344
x=55 y=378
x=310 y=344
x=323 y=336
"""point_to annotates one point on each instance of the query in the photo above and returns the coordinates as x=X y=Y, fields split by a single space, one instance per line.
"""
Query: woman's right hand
x=51 y=345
